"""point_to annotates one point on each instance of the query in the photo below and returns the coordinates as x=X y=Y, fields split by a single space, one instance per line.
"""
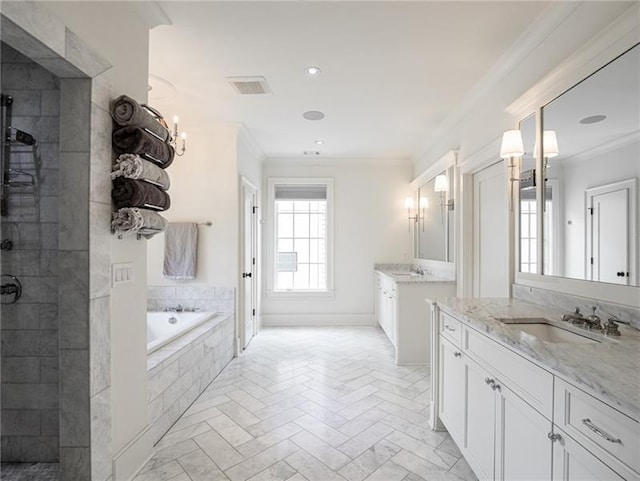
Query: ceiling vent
x=256 y=85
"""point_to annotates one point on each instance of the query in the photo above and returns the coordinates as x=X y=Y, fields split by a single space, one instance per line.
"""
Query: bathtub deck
x=310 y=404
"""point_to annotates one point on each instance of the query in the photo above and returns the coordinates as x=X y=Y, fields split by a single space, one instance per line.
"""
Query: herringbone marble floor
x=316 y=404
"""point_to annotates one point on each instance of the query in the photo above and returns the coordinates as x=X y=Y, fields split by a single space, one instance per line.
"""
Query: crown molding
x=536 y=33
x=247 y=140
x=622 y=34
x=447 y=160
x=151 y=14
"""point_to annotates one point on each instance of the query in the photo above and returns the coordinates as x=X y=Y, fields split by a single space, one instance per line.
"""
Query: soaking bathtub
x=164 y=327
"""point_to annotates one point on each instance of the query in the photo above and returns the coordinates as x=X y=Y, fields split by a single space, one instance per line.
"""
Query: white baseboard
x=273 y=320
x=133 y=456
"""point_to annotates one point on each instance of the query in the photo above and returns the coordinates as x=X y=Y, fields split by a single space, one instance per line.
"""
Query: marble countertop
x=609 y=368
x=402 y=276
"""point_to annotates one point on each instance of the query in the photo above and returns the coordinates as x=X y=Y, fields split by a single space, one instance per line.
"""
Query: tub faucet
x=178 y=308
x=419 y=270
x=574 y=318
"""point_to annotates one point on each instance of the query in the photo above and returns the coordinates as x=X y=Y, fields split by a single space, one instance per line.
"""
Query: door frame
x=631 y=185
x=246 y=184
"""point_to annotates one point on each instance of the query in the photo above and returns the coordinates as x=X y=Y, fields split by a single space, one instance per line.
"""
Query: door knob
x=246 y=274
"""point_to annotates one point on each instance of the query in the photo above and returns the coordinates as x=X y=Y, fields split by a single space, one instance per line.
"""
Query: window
x=301 y=235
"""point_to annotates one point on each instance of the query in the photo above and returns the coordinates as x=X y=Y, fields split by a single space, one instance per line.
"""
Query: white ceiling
x=391 y=71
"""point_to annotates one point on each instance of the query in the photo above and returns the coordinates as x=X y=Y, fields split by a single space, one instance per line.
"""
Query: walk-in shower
x=29 y=166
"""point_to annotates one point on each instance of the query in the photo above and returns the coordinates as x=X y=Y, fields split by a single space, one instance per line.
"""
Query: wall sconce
x=441 y=185
x=423 y=204
x=511 y=148
x=549 y=147
x=174 y=141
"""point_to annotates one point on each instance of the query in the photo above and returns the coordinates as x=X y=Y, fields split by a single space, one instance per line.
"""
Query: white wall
x=115 y=31
x=370 y=225
x=204 y=188
x=582 y=172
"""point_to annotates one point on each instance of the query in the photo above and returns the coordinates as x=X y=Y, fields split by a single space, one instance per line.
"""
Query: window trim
x=271 y=237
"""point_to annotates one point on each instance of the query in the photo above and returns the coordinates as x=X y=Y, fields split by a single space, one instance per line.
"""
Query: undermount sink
x=541 y=329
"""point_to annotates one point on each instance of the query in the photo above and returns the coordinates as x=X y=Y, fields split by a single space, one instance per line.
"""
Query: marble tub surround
x=204 y=298
x=180 y=371
x=609 y=368
x=568 y=302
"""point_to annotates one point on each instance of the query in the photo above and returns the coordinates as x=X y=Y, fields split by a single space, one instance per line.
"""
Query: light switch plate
x=121 y=274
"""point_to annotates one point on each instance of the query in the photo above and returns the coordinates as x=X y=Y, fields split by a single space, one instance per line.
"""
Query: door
x=523 y=448
x=491 y=232
x=248 y=281
x=479 y=419
x=451 y=389
x=609 y=233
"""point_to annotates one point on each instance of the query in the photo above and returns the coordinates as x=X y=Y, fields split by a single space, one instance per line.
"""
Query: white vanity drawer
x=596 y=425
x=529 y=381
x=451 y=328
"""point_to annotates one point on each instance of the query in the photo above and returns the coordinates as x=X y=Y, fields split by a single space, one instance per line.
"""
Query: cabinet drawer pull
x=554 y=437
x=587 y=422
x=496 y=387
x=489 y=381
x=457 y=354
x=449 y=328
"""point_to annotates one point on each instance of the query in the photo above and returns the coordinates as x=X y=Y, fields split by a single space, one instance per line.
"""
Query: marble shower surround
x=30 y=427
x=179 y=372
x=205 y=298
x=84 y=236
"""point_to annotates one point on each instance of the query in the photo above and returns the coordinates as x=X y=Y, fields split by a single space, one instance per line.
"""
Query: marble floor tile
x=310 y=404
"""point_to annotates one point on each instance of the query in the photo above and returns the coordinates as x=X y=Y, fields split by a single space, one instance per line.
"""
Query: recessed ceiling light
x=319 y=142
x=313 y=115
x=593 y=119
x=311 y=152
x=312 y=71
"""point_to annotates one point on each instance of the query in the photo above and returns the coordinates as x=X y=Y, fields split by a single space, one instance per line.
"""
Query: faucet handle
x=577 y=311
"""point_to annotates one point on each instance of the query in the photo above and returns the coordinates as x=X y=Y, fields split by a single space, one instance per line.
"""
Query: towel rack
x=208 y=223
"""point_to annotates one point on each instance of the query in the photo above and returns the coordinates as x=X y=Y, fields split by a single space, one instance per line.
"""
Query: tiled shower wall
x=30 y=419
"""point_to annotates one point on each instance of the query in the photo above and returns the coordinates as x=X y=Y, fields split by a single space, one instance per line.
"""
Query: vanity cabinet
x=405 y=317
x=501 y=435
x=514 y=420
x=386 y=306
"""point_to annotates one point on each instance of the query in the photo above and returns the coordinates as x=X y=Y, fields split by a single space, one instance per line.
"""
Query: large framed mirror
x=590 y=164
x=434 y=239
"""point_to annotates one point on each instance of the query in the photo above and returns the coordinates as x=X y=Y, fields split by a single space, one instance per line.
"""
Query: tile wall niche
x=205 y=298
x=30 y=399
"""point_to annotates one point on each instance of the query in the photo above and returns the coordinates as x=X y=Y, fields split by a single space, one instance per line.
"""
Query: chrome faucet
x=178 y=308
x=611 y=327
x=419 y=270
x=593 y=321
x=575 y=317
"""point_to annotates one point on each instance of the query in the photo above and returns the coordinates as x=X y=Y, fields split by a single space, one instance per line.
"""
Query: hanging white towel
x=180 y=248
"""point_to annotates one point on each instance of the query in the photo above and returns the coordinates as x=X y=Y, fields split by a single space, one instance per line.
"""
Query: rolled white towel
x=132 y=220
x=132 y=166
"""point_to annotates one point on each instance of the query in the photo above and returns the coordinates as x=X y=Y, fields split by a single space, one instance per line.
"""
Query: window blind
x=301 y=192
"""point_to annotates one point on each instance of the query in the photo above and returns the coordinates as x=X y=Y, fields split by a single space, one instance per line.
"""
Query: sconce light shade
x=511 y=144
x=550 y=144
x=408 y=203
x=441 y=184
x=424 y=203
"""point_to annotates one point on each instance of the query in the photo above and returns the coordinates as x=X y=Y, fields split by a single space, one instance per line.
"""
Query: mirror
x=528 y=199
x=434 y=238
x=591 y=172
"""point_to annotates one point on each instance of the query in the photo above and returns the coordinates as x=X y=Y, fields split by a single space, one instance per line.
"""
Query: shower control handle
x=13 y=288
